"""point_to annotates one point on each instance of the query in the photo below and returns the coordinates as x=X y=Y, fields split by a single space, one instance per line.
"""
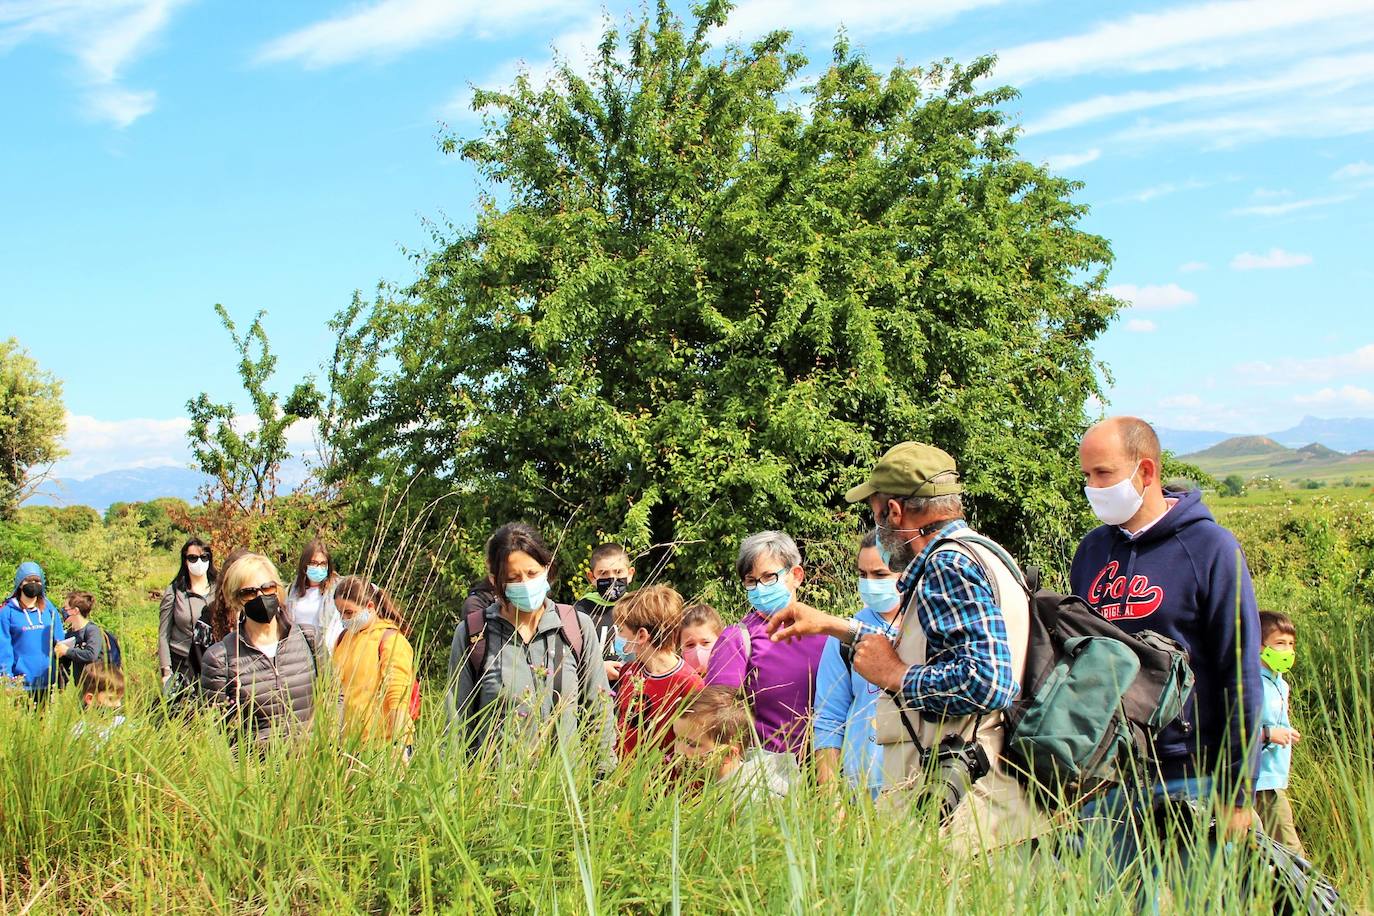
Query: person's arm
x=727 y=665
x=1231 y=617
x=834 y=699
x=214 y=676
x=6 y=646
x=165 y=613
x=461 y=685
x=597 y=700
x=966 y=632
x=398 y=674
x=86 y=648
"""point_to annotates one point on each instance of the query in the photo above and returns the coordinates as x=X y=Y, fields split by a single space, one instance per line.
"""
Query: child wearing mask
x=87 y=642
x=610 y=574
x=654 y=682
x=715 y=735
x=375 y=663
x=846 y=704
x=1278 y=651
x=701 y=627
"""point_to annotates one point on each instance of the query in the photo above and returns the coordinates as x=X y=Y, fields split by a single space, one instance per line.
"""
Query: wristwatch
x=855 y=629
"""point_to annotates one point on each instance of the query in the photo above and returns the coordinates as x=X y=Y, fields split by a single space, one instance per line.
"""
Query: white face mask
x=197 y=567
x=1117 y=504
x=357 y=621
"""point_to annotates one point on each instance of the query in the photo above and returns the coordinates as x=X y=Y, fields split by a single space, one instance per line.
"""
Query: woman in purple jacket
x=777 y=678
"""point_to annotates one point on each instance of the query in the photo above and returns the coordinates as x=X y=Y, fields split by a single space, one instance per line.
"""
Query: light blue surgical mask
x=530 y=594
x=879 y=595
x=769 y=599
x=624 y=650
x=317 y=574
x=358 y=621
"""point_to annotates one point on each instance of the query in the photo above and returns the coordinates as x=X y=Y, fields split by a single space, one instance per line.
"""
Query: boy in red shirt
x=654 y=683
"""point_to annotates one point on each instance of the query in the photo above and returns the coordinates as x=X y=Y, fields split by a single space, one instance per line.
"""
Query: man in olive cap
x=960 y=653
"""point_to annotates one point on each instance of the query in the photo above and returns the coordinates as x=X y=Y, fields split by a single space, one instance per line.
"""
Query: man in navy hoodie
x=1161 y=562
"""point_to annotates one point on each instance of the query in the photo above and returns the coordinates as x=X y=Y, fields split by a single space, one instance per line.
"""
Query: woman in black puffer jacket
x=263 y=672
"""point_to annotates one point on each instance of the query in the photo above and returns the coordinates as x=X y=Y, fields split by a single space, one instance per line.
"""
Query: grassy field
x=165 y=817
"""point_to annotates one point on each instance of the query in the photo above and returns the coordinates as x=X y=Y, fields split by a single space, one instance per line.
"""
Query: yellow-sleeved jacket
x=376 y=679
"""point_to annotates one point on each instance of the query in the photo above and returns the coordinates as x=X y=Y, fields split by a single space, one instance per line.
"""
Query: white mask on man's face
x=1117 y=504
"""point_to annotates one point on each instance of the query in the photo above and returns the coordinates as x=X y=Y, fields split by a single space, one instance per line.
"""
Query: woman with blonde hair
x=262 y=672
x=375 y=664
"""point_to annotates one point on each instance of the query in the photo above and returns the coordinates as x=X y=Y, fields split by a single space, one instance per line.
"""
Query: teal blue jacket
x=1275 y=759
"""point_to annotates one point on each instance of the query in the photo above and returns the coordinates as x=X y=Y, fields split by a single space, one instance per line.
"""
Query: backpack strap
x=476 y=625
x=572 y=629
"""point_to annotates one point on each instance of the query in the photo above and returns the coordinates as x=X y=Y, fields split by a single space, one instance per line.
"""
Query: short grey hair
x=948 y=506
x=766 y=543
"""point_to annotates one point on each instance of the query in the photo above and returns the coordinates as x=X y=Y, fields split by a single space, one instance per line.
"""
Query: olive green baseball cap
x=910 y=469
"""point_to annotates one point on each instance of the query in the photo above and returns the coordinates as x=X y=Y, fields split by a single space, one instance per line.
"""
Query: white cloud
x=1203 y=35
x=1305 y=77
x=1141 y=326
x=1357 y=363
x=1153 y=298
x=1275 y=259
x=95 y=446
x=1192 y=267
x=391 y=27
x=1185 y=401
x=576 y=46
x=104 y=36
x=1154 y=192
x=1290 y=206
x=1305 y=118
x=1065 y=161
x=1353 y=171
x=755 y=17
x=1346 y=397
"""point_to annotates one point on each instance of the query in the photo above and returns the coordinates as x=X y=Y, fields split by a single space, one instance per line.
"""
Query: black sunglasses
x=249 y=592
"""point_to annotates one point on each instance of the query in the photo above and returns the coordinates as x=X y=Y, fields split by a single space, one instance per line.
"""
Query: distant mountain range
x=133 y=485
x=1344 y=435
x=1263 y=456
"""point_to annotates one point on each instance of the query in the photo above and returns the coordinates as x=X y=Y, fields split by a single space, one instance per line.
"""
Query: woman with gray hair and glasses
x=777 y=678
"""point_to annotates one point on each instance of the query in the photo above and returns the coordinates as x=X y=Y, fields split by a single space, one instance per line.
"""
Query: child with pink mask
x=701 y=628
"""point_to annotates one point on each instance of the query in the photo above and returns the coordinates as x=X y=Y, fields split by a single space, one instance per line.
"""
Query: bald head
x=1116 y=447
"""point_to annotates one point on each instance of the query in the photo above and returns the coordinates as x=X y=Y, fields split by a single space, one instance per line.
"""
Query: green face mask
x=1279 y=660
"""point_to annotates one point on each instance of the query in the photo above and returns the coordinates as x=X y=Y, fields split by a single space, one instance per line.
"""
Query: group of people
x=938 y=650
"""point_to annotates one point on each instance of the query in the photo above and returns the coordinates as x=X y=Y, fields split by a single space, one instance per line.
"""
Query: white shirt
x=1169 y=503
x=307 y=607
x=270 y=649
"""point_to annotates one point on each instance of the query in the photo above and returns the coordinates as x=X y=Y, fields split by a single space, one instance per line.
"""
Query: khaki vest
x=996 y=810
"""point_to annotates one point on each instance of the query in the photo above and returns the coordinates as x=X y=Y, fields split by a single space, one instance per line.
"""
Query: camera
x=952 y=768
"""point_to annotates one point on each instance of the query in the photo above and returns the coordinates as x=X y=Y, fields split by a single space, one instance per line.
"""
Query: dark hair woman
x=524 y=663
x=310 y=599
x=183 y=603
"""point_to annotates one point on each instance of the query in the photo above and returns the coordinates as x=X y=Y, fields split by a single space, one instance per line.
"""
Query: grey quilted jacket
x=270 y=696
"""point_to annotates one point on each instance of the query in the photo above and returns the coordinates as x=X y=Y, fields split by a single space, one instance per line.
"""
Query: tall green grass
x=167 y=817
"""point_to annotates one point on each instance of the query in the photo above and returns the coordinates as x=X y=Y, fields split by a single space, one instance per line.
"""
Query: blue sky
x=163 y=155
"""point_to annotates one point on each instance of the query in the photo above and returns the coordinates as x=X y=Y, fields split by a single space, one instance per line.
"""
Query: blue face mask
x=317 y=574
x=769 y=599
x=625 y=651
x=530 y=594
x=879 y=595
x=883 y=553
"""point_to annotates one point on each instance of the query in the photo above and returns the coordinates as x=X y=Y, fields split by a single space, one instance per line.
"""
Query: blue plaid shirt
x=968 y=658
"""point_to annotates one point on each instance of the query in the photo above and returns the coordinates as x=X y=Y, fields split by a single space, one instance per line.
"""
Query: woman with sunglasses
x=777 y=678
x=263 y=672
x=183 y=603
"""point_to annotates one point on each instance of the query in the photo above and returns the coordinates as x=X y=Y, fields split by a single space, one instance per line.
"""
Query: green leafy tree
x=245 y=464
x=690 y=308
x=32 y=424
x=1233 y=485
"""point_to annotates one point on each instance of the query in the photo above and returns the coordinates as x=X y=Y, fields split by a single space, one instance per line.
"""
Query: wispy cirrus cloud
x=755 y=17
x=1141 y=326
x=1202 y=36
x=1273 y=259
x=392 y=27
x=1065 y=161
x=1291 y=206
x=1192 y=267
x=1340 y=366
x=1346 y=397
x=105 y=37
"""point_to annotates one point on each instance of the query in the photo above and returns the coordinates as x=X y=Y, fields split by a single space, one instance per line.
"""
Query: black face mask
x=611 y=589
x=31 y=589
x=262 y=608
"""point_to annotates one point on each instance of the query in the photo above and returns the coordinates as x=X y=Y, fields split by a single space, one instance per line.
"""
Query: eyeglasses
x=249 y=592
x=751 y=583
x=192 y=557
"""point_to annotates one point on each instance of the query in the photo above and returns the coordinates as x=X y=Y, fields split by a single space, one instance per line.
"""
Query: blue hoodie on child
x=1186 y=578
x=27 y=637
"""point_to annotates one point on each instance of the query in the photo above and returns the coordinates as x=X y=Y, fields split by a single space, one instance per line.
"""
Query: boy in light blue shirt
x=1278 y=651
x=846 y=704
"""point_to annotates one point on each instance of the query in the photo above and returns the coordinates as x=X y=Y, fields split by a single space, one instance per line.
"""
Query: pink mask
x=696 y=657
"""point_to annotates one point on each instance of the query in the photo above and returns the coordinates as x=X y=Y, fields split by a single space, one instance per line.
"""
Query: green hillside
x=1257 y=456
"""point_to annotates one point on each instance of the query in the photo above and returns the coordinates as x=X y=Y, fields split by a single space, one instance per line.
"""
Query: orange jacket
x=376 y=679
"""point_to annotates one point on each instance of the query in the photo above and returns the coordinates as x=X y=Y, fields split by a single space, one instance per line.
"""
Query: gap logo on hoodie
x=1115 y=600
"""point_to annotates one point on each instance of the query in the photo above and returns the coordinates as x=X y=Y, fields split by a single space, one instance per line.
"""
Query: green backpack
x=1093 y=697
